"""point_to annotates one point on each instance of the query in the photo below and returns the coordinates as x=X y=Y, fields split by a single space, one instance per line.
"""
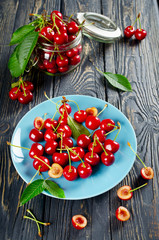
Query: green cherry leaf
x=32 y=190
x=21 y=33
x=117 y=81
x=77 y=128
x=14 y=65
x=54 y=189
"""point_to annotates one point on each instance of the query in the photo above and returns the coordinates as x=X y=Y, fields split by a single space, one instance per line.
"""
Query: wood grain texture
x=138 y=61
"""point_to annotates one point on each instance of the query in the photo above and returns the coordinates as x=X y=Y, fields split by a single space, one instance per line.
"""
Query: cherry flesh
x=83 y=141
x=92 y=111
x=80 y=116
x=80 y=154
x=38 y=123
x=79 y=222
x=147 y=173
x=92 y=122
x=129 y=31
x=56 y=171
x=70 y=173
x=36 y=149
x=84 y=170
x=35 y=135
x=60 y=158
x=107 y=159
x=37 y=163
x=50 y=147
x=111 y=145
x=124 y=193
x=122 y=214
x=93 y=160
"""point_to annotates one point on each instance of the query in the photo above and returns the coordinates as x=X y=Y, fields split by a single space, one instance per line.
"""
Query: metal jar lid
x=103 y=28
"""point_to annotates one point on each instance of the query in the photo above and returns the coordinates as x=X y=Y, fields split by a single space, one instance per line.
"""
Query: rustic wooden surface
x=136 y=60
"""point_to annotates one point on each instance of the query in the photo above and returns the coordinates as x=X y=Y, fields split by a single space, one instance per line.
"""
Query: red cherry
x=140 y=34
x=14 y=93
x=56 y=13
x=65 y=108
x=66 y=130
x=124 y=192
x=41 y=66
x=50 y=124
x=72 y=52
x=66 y=142
x=122 y=214
x=35 y=135
x=58 y=23
x=72 y=27
x=129 y=31
x=84 y=170
x=79 y=222
x=80 y=116
x=50 y=135
x=70 y=173
x=71 y=38
x=147 y=173
x=63 y=69
x=27 y=86
x=62 y=120
x=75 y=60
x=53 y=70
x=92 y=122
x=50 y=147
x=63 y=29
x=79 y=47
x=83 y=141
x=92 y=160
x=38 y=122
x=106 y=125
x=48 y=33
x=36 y=149
x=111 y=145
x=37 y=163
x=107 y=159
x=60 y=158
x=100 y=134
x=49 y=64
x=97 y=148
x=79 y=151
x=62 y=61
x=60 y=38
x=26 y=97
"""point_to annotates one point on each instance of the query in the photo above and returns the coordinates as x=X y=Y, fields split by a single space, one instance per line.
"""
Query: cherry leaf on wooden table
x=54 y=189
x=32 y=190
x=77 y=128
x=19 y=35
x=14 y=65
x=117 y=80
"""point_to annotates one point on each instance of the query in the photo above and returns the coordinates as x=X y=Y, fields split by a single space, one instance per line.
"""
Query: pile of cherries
x=22 y=92
x=56 y=35
x=139 y=33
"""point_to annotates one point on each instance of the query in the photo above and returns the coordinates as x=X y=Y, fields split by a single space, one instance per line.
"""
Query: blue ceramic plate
x=103 y=178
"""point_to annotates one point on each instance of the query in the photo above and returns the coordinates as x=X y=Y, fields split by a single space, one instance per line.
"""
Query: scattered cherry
x=14 y=93
x=140 y=34
x=79 y=222
x=122 y=214
x=27 y=86
x=126 y=192
x=129 y=31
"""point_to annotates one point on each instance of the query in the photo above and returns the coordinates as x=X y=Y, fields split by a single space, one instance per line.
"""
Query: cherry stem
x=21 y=82
x=42 y=161
x=39 y=232
x=138 y=187
x=102 y=147
x=8 y=143
x=70 y=170
x=102 y=110
x=118 y=130
x=35 y=220
x=54 y=25
x=94 y=142
x=136 y=155
x=70 y=17
x=91 y=133
x=140 y=24
x=43 y=122
x=60 y=19
x=52 y=54
x=35 y=175
x=45 y=38
x=49 y=98
x=54 y=115
x=70 y=149
x=115 y=128
x=76 y=105
x=61 y=141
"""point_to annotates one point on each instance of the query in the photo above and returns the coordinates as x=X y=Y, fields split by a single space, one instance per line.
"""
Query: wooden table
x=138 y=61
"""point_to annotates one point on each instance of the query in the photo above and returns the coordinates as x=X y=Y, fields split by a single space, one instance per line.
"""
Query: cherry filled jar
x=55 y=59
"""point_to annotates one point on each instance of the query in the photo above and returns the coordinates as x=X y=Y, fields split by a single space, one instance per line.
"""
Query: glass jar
x=55 y=59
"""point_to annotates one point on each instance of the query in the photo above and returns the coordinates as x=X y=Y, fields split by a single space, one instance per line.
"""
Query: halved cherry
x=92 y=111
x=147 y=173
x=122 y=214
x=56 y=171
x=126 y=193
x=38 y=123
x=79 y=222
